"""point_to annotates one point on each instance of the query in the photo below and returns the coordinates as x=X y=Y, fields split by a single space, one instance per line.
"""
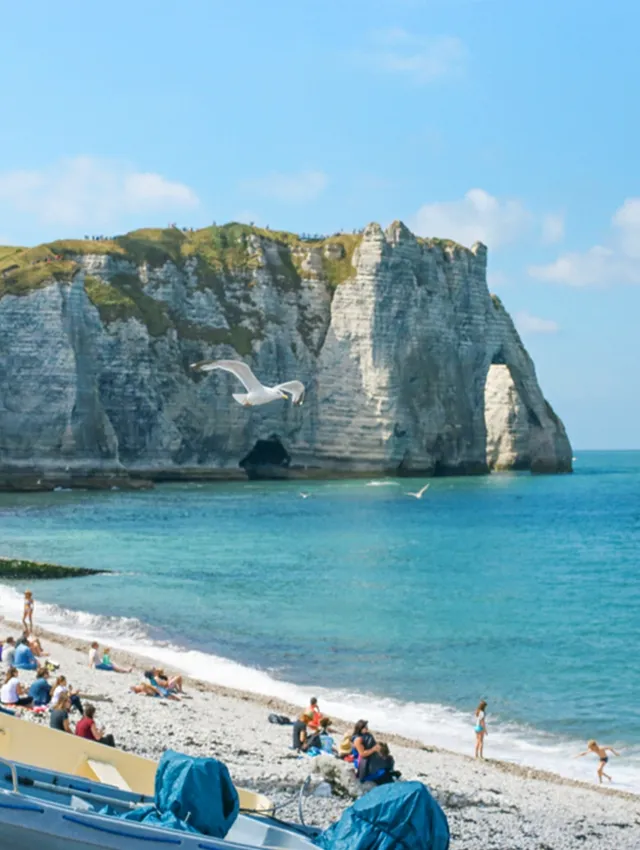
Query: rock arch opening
x=508 y=420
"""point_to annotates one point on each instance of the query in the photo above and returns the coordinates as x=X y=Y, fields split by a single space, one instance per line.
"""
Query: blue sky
x=512 y=121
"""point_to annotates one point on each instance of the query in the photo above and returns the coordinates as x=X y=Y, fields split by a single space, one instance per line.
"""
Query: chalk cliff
x=411 y=366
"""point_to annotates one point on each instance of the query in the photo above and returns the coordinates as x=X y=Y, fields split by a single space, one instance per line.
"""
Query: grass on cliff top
x=224 y=248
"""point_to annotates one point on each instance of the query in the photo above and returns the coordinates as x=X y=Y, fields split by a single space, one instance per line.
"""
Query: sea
x=521 y=590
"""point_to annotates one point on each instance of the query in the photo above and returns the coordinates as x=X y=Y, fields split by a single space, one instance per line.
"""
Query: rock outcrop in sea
x=411 y=366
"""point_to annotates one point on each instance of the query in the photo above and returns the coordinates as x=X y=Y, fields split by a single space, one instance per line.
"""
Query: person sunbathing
x=159 y=679
x=145 y=688
x=152 y=690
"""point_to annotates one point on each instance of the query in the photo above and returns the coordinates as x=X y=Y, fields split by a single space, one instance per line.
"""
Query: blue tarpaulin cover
x=191 y=794
x=398 y=816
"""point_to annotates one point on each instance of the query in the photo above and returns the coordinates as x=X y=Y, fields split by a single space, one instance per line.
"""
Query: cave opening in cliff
x=267 y=459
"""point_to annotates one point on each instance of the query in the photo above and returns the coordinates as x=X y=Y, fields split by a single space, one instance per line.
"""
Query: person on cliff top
x=601 y=752
x=27 y=613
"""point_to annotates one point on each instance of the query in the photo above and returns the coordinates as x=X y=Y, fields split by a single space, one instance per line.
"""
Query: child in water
x=601 y=752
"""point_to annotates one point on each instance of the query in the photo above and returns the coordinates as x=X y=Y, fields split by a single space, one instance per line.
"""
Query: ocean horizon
x=514 y=588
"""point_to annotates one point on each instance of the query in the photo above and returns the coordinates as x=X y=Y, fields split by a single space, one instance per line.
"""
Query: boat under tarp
x=45 y=810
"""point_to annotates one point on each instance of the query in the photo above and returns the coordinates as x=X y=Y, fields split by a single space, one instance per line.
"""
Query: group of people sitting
x=59 y=698
x=372 y=761
x=156 y=682
x=104 y=662
x=26 y=653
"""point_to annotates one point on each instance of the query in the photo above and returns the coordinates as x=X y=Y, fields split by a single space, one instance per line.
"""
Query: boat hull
x=40 y=746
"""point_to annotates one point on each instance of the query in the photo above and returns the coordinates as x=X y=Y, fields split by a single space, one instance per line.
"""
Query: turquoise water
x=519 y=589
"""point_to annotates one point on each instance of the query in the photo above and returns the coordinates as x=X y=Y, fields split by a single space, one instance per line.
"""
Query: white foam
x=430 y=723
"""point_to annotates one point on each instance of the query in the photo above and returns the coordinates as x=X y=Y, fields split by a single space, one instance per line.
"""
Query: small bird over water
x=257 y=393
x=420 y=493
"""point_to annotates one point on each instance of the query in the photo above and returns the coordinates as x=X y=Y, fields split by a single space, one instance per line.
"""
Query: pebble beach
x=490 y=805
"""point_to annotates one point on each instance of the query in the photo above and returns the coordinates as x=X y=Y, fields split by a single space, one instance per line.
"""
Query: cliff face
x=410 y=364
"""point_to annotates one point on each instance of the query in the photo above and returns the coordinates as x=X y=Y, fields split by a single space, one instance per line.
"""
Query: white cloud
x=553 y=228
x=528 y=324
x=616 y=262
x=477 y=217
x=288 y=188
x=421 y=59
x=90 y=192
x=627 y=222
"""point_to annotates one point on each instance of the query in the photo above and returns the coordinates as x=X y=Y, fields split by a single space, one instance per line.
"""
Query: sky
x=513 y=122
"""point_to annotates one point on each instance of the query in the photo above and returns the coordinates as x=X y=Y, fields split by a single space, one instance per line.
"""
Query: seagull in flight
x=257 y=393
x=420 y=493
x=305 y=495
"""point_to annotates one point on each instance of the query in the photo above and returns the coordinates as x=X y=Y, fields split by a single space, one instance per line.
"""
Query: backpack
x=279 y=719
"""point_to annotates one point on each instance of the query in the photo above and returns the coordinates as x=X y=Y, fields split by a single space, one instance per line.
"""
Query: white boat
x=46 y=810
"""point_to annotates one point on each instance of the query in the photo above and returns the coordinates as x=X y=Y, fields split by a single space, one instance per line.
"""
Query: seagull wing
x=424 y=490
x=294 y=388
x=236 y=367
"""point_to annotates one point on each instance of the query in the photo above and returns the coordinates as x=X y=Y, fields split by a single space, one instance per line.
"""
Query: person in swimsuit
x=601 y=752
x=27 y=614
x=480 y=728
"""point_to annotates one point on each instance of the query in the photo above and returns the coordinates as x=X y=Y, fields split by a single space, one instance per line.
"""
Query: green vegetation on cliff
x=219 y=250
x=226 y=259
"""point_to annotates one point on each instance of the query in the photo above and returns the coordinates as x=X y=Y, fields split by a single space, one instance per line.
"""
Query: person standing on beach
x=316 y=714
x=27 y=613
x=601 y=752
x=480 y=728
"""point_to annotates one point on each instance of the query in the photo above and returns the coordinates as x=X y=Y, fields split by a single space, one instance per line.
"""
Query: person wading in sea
x=601 y=752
